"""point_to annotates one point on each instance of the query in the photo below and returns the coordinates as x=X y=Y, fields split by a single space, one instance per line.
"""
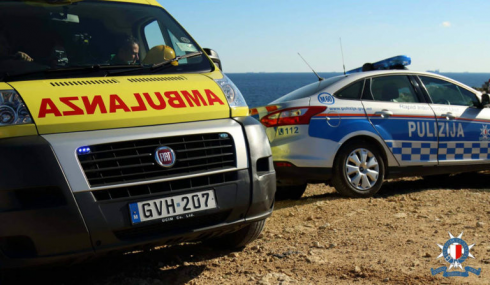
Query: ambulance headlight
x=13 y=111
x=232 y=94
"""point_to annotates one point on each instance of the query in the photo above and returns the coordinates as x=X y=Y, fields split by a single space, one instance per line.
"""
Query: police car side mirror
x=213 y=55
x=485 y=100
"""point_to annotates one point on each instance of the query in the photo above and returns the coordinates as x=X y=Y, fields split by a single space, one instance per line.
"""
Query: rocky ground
x=322 y=239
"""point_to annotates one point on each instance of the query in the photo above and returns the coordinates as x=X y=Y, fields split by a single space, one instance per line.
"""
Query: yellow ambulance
x=118 y=131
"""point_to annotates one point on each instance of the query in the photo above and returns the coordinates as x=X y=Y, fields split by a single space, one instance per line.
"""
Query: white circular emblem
x=326 y=98
x=165 y=156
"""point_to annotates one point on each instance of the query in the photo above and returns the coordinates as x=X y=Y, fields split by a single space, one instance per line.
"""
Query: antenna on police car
x=319 y=78
x=342 y=51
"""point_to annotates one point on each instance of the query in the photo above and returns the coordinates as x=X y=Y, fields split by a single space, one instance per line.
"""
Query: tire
x=362 y=180
x=292 y=192
x=240 y=238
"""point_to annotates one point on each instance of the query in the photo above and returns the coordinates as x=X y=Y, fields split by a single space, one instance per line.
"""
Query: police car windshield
x=38 y=37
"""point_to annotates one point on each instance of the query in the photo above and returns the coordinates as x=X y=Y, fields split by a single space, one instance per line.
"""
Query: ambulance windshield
x=87 y=39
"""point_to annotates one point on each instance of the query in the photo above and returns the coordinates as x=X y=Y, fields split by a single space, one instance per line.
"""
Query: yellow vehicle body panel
x=5 y=86
x=17 y=131
x=240 y=111
x=83 y=104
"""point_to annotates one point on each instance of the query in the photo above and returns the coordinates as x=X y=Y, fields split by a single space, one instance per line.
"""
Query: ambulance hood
x=71 y=105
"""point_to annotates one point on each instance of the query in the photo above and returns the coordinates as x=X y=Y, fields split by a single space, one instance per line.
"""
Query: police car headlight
x=13 y=111
x=232 y=94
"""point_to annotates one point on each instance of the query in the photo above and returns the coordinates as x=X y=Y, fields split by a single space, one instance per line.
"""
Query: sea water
x=261 y=88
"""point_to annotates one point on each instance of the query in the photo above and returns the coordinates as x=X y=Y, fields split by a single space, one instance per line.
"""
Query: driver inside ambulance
x=128 y=52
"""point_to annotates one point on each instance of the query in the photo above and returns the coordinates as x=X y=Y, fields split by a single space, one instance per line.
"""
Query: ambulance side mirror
x=485 y=100
x=213 y=55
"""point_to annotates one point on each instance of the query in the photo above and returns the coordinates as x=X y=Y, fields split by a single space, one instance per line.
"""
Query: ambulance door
x=464 y=127
x=402 y=118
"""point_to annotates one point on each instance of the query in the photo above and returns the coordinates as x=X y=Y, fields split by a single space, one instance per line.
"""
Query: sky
x=266 y=35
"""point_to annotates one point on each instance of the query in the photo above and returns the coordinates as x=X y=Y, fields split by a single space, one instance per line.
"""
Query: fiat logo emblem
x=165 y=156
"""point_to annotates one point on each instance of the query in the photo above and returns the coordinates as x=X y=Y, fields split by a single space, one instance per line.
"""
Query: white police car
x=358 y=129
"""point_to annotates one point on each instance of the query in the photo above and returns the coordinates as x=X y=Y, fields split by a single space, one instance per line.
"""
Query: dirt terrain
x=322 y=239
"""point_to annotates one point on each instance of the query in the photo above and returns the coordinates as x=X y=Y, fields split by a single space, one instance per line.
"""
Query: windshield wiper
x=129 y=70
x=157 y=66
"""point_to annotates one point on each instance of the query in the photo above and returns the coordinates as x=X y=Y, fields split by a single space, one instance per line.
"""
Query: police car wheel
x=293 y=192
x=358 y=170
x=240 y=238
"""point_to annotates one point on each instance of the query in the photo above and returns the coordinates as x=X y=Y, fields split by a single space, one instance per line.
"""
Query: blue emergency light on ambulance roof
x=83 y=150
x=390 y=63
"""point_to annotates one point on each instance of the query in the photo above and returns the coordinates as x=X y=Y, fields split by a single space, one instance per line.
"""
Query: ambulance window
x=182 y=47
x=153 y=35
x=78 y=34
x=443 y=92
x=393 y=89
x=351 y=92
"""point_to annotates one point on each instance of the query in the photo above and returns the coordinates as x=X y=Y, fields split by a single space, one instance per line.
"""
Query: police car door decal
x=463 y=128
x=407 y=125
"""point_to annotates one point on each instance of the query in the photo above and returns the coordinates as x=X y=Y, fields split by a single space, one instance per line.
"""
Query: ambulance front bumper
x=45 y=221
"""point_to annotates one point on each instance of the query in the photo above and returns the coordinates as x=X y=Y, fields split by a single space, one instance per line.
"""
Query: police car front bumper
x=44 y=221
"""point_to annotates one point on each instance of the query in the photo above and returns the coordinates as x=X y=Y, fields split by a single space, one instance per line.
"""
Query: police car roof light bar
x=396 y=62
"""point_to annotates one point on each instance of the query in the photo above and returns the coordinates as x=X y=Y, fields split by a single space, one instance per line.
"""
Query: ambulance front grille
x=134 y=161
x=159 y=188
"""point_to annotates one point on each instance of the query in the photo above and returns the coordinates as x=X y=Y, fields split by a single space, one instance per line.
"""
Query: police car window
x=444 y=92
x=393 y=89
x=352 y=91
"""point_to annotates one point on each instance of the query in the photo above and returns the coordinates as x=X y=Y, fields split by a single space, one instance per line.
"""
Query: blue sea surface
x=261 y=88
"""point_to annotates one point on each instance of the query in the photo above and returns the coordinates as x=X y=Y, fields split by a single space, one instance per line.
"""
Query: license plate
x=172 y=208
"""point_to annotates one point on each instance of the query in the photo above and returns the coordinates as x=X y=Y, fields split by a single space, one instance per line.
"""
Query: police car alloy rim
x=362 y=169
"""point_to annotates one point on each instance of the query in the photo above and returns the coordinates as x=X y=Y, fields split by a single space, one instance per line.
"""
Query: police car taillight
x=291 y=116
x=283 y=164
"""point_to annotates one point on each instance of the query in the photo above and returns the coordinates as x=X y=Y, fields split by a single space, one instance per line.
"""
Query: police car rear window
x=352 y=92
x=308 y=90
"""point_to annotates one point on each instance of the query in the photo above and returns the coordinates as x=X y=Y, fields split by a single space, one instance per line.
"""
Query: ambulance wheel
x=358 y=170
x=290 y=192
x=240 y=238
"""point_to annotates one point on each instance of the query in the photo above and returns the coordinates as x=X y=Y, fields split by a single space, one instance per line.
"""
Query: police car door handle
x=449 y=116
x=384 y=113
